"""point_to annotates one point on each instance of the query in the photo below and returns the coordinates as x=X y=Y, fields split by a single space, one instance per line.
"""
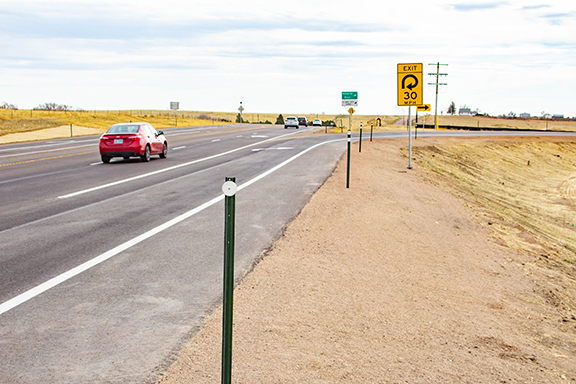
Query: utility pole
x=437 y=74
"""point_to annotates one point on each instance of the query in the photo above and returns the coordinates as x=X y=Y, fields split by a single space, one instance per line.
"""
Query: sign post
x=241 y=109
x=423 y=107
x=350 y=99
x=175 y=105
x=351 y=112
x=229 y=189
x=410 y=92
x=360 y=142
x=348 y=162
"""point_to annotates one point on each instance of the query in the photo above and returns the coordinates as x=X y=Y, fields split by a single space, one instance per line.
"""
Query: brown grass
x=27 y=120
x=496 y=122
x=525 y=192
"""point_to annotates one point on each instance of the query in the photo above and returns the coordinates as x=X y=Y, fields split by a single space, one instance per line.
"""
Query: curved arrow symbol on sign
x=409 y=86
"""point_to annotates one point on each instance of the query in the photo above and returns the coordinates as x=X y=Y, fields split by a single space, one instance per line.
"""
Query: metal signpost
x=175 y=105
x=360 y=142
x=348 y=163
x=423 y=107
x=229 y=189
x=351 y=112
x=349 y=99
x=241 y=109
x=410 y=92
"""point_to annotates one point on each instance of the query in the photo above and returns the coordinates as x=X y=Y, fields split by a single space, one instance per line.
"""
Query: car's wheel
x=164 y=152
x=146 y=156
x=105 y=159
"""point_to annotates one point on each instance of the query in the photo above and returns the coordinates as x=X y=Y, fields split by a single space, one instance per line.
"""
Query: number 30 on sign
x=410 y=90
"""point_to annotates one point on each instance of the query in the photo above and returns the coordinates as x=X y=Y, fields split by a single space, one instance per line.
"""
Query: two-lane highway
x=105 y=269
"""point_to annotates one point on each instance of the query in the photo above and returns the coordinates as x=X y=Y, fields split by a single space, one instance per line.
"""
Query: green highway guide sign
x=349 y=99
x=349 y=95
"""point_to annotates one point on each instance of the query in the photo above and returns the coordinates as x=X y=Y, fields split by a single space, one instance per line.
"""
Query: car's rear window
x=123 y=129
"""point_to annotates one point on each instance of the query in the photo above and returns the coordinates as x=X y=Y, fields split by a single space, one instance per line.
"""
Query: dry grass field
x=494 y=122
x=28 y=121
x=525 y=193
x=17 y=121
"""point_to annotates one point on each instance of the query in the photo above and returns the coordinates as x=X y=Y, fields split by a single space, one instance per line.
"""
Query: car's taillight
x=134 y=137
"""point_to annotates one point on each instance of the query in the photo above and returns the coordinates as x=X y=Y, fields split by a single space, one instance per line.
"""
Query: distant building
x=557 y=116
x=525 y=115
x=464 y=111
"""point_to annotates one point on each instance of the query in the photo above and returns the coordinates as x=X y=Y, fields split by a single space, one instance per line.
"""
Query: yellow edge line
x=45 y=158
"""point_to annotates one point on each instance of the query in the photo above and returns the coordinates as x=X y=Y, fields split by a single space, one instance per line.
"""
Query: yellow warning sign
x=410 y=89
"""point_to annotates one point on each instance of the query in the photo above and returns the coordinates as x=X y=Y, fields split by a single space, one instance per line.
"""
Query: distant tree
x=53 y=107
x=280 y=119
x=239 y=118
x=452 y=108
x=5 y=105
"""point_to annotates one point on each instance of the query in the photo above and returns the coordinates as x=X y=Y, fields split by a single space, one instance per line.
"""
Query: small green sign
x=349 y=95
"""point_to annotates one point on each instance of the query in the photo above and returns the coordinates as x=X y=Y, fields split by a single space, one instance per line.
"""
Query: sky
x=287 y=57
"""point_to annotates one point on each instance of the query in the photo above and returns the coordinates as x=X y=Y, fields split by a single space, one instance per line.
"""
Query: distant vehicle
x=291 y=121
x=132 y=139
x=317 y=122
x=302 y=121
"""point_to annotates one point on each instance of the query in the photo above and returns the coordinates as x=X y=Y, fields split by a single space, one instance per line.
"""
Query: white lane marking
x=47 y=150
x=177 y=148
x=257 y=136
x=167 y=169
x=48 y=144
x=215 y=140
x=31 y=293
x=98 y=163
x=271 y=149
x=181 y=133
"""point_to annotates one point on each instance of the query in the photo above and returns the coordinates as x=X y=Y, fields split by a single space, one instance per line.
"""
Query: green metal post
x=348 y=164
x=229 y=189
x=360 y=144
x=70 y=130
x=371 y=129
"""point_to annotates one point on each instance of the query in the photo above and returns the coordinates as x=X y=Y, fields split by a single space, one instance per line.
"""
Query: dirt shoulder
x=393 y=280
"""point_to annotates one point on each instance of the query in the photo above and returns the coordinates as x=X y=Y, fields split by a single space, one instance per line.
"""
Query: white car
x=291 y=121
x=317 y=122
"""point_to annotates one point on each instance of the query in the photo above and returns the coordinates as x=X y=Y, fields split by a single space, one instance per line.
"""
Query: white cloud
x=297 y=56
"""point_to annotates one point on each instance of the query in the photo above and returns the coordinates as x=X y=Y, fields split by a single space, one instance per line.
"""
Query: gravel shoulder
x=393 y=280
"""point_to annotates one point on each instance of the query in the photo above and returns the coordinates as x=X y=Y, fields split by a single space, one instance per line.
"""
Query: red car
x=132 y=139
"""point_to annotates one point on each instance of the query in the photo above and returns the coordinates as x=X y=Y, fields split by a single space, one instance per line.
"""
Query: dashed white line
x=47 y=150
x=30 y=294
x=167 y=169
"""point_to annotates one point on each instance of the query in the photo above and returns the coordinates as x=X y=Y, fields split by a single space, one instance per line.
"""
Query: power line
x=437 y=74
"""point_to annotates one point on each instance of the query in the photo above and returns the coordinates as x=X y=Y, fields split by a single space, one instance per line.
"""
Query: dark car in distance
x=302 y=121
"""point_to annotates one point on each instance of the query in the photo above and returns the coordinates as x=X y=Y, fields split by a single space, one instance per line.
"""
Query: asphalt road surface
x=106 y=269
